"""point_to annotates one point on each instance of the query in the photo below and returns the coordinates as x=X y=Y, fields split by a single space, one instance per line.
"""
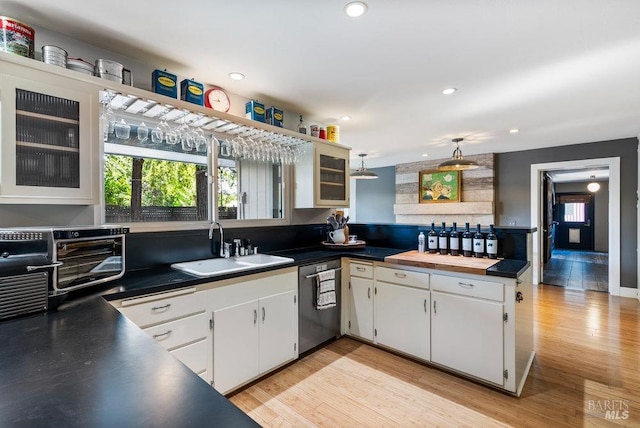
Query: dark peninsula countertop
x=87 y=365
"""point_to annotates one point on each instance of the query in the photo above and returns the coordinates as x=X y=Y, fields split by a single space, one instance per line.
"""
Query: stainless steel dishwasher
x=316 y=326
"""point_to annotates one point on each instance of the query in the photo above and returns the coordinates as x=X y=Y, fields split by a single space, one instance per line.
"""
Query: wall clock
x=217 y=99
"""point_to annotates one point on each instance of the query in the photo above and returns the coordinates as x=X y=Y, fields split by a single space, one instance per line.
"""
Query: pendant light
x=362 y=172
x=593 y=186
x=457 y=162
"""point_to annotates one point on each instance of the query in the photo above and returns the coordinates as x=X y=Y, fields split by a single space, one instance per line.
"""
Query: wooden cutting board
x=437 y=261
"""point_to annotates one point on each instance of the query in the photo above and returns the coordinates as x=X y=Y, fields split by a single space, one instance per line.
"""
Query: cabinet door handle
x=360 y=269
x=158 y=308
x=255 y=316
x=264 y=314
x=465 y=284
x=401 y=275
x=425 y=306
x=434 y=307
x=369 y=292
x=166 y=333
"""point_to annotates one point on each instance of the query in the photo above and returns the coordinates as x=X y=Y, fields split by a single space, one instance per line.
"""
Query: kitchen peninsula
x=87 y=364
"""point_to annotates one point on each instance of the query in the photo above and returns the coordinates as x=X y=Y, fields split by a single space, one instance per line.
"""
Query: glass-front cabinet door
x=332 y=181
x=322 y=176
x=47 y=152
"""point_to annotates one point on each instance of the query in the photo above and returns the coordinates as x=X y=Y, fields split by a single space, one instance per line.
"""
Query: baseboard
x=629 y=292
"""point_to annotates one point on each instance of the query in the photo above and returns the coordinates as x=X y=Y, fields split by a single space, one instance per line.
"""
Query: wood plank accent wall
x=477 y=203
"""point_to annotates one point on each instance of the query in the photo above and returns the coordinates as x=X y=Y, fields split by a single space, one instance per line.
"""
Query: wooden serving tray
x=448 y=262
x=347 y=246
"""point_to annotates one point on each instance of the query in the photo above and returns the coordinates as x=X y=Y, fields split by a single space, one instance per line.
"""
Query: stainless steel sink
x=220 y=266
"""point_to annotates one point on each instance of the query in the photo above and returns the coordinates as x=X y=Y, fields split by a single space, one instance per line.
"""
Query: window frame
x=212 y=188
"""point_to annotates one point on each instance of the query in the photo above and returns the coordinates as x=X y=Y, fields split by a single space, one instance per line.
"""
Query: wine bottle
x=302 y=127
x=478 y=243
x=467 y=241
x=432 y=239
x=443 y=239
x=492 y=243
x=421 y=242
x=454 y=240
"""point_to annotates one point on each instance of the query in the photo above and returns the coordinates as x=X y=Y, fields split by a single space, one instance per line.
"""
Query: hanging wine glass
x=107 y=120
x=123 y=130
x=200 y=140
x=143 y=133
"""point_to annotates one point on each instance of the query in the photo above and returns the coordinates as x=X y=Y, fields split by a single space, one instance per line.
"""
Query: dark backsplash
x=145 y=250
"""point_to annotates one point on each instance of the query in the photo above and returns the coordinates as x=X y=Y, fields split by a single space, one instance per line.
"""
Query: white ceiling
x=563 y=72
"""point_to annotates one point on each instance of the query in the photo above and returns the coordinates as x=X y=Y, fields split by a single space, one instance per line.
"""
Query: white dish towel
x=326 y=289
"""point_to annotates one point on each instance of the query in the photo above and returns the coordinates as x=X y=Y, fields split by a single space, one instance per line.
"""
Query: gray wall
x=513 y=175
x=601 y=211
x=375 y=198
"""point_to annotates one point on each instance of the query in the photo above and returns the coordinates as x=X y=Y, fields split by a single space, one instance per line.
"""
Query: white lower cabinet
x=235 y=345
x=255 y=327
x=178 y=321
x=476 y=325
x=361 y=300
x=278 y=338
x=402 y=319
x=467 y=335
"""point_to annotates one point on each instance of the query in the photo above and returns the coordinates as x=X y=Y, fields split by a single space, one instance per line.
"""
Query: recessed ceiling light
x=236 y=76
x=355 y=9
x=449 y=91
x=424 y=155
x=514 y=131
x=345 y=118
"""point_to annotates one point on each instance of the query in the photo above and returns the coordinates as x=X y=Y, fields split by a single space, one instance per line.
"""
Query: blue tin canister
x=164 y=83
x=192 y=91
x=275 y=116
x=255 y=111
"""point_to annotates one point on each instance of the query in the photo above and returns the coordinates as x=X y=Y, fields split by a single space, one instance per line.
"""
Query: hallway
x=582 y=270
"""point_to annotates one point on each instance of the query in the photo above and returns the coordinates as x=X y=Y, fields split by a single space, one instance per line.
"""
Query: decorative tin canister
x=333 y=133
x=192 y=91
x=16 y=37
x=164 y=83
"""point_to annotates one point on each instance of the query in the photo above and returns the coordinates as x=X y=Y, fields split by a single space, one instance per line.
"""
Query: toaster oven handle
x=52 y=265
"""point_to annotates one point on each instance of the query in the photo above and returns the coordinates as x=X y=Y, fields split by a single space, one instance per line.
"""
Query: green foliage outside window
x=164 y=183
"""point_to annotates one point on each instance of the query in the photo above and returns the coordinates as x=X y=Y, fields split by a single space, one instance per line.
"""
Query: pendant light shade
x=362 y=172
x=593 y=186
x=457 y=162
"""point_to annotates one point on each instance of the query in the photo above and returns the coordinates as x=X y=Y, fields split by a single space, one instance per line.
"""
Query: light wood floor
x=587 y=358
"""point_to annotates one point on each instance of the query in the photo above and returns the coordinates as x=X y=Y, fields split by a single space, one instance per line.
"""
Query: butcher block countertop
x=436 y=261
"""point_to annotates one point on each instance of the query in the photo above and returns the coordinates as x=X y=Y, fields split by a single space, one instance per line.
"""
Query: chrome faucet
x=221 y=236
x=236 y=251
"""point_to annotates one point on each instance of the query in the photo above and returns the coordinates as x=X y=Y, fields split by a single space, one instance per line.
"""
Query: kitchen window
x=163 y=164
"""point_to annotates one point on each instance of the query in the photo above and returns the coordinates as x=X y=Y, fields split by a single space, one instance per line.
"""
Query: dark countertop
x=87 y=365
x=508 y=268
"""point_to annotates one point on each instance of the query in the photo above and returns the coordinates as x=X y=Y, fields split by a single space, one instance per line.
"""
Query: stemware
x=123 y=130
x=108 y=120
x=199 y=140
x=143 y=133
x=185 y=136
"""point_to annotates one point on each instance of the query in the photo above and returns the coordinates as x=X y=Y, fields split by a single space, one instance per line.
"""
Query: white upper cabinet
x=48 y=132
x=322 y=177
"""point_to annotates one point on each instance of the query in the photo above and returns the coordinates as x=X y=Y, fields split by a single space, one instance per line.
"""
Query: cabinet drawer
x=402 y=277
x=361 y=270
x=157 y=309
x=468 y=287
x=193 y=356
x=174 y=334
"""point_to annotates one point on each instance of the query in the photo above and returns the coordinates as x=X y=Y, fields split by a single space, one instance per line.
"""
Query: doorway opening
x=576 y=252
x=577 y=243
